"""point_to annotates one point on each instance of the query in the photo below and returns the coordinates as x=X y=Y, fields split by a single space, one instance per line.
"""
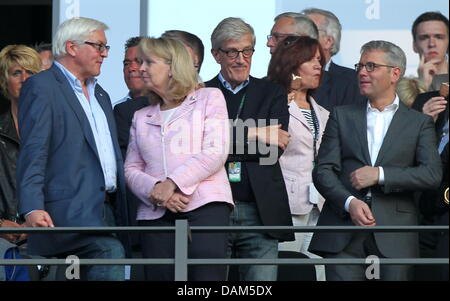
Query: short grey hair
x=394 y=55
x=74 y=29
x=332 y=26
x=231 y=29
x=303 y=25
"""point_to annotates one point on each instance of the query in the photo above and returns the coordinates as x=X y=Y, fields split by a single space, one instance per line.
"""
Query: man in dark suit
x=256 y=180
x=339 y=84
x=131 y=74
x=433 y=206
x=70 y=169
x=368 y=178
x=290 y=24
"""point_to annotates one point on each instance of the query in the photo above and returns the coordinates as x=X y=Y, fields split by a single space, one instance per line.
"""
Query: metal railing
x=183 y=232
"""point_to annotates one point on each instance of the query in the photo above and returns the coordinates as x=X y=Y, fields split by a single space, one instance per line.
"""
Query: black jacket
x=442 y=117
x=264 y=101
x=9 y=151
x=123 y=113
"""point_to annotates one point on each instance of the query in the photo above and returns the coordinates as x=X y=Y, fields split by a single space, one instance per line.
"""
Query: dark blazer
x=59 y=168
x=339 y=87
x=418 y=104
x=123 y=113
x=410 y=162
x=264 y=101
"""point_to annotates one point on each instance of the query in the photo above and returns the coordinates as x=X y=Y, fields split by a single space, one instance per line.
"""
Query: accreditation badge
x=234 y=171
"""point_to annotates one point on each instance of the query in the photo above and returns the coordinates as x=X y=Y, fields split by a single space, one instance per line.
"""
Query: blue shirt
x=99 y=126
x=227 y=85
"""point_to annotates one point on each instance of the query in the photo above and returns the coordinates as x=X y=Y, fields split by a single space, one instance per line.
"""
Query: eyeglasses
x=232 y=54
x=99 y=46
x=278 y=36
x=370 y=66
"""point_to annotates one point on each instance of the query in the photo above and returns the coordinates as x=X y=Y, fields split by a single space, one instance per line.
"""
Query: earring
x=296 y=82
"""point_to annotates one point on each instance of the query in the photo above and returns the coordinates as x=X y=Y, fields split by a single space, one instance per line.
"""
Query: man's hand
x=361 y=214
x=364 y=177
x=176 y=203
x=434 y=106
x=272 y=135
x=39 y=218
x=162 y=191
x=11 y=237
x=427 y=70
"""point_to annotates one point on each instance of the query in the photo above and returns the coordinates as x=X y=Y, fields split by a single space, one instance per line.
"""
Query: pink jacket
x=191 y=150
x=297 y=160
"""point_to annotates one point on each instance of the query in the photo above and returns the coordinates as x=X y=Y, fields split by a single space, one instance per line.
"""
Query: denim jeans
x=102 y=247
x=251 y=245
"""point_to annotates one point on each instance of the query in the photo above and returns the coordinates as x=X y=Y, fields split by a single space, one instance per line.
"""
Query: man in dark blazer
x=131 y=74
x=433 y=206
x=255 y=175
x=339 y=84
x=372 y=158
x=70 y=169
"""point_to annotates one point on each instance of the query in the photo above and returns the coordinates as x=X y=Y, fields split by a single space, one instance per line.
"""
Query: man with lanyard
x=257 y=183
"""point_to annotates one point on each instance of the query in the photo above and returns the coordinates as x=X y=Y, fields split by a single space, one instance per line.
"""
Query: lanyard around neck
x=241 y=106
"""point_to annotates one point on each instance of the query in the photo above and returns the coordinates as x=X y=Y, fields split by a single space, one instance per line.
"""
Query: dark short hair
x=428 y=16
x=190 y=40
x=43 y=47
x=289 y=55
x=132 y=42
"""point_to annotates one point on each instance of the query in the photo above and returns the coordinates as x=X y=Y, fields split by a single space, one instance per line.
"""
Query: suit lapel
x=397 y=126
x=105 y=104
x=320 y=116
x=360 y=119
x=296 y=113
x=153 y=115
x=185 y=107
x=74 y=103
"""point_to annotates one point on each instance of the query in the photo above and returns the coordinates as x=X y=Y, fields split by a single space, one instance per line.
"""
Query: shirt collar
x=73 y=80
x=392 y=107
x=227 y=85
x=327 y=66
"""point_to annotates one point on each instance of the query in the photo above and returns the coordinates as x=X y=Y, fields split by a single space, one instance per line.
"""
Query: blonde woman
x=17 y=64
x=175 y=160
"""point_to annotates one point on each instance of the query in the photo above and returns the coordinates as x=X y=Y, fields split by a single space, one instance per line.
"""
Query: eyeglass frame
x=359 y=66
x=277 y=36
x=237 y=52
x=99 y=46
